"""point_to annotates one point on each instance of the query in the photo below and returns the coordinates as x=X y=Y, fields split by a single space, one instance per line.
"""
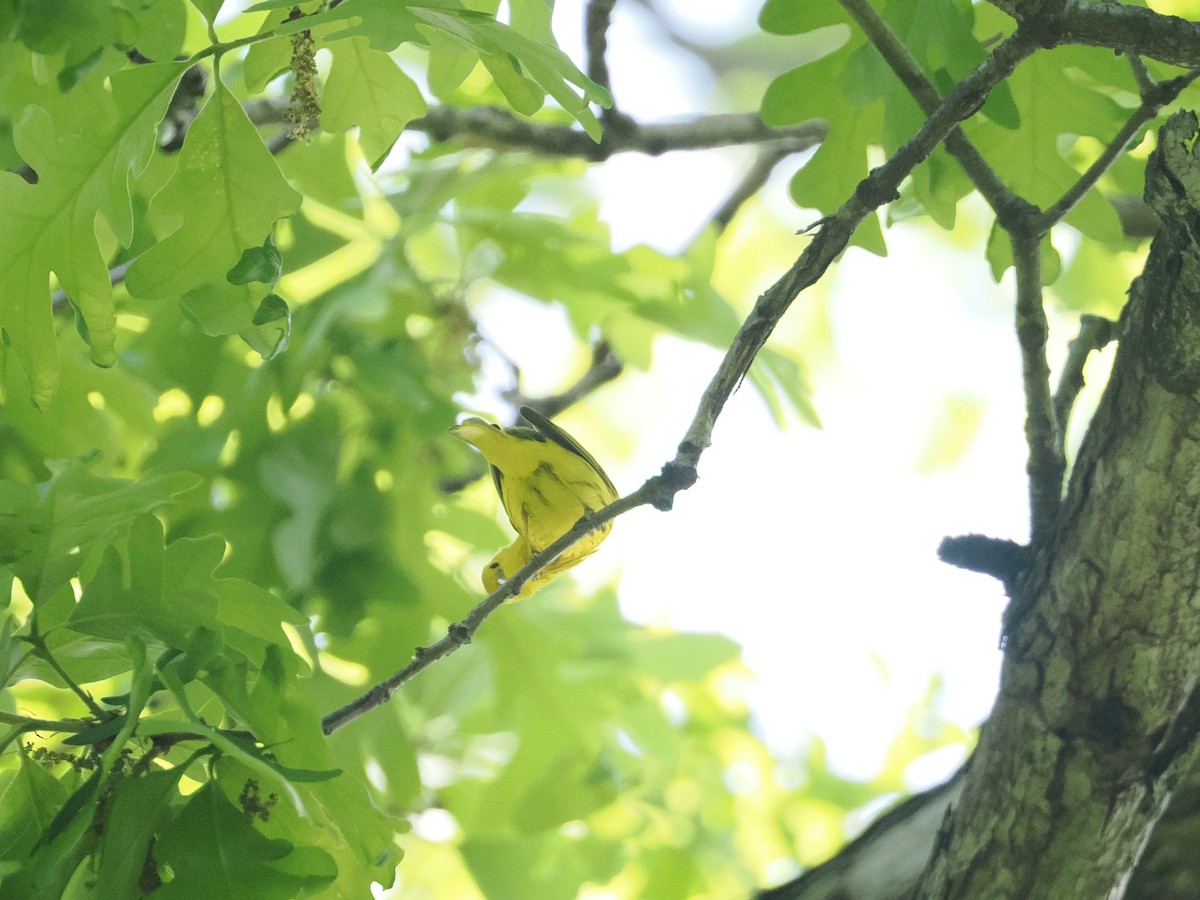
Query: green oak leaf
x=78 y=512
x=366 y=88
x=213 y=851
x=85 y=149
x=224 y=197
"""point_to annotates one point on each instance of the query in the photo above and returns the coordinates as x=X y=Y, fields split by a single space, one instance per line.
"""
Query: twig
x=1154 y=98
x=1141 y=75
x=1095 y=332
x=459 y=634
x=756 y=176
x=596 y=22
x=605 y=366
x=680 y=473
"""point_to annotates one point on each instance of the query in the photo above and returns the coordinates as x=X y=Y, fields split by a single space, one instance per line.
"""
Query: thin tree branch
x=1046 y=464
x=459 y=634
x=752 y=181
x=835 y=231
x=499 y=126
x=1141 y=75
x=596 y=21
x=605 y=367
x=1154 y=98
x=1095 y=332
x=38 y=647
x=679 y=474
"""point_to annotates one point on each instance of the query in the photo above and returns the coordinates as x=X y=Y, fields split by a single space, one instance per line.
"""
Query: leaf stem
x=218 y=48
x=40 y=649
x=33 y=723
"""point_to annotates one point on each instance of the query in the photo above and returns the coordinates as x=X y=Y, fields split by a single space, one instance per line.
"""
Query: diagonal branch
x=679 y=473
x=1154 y=97
x=460 y=633
x=751 y=183
x=879 y=187
x=896 y=55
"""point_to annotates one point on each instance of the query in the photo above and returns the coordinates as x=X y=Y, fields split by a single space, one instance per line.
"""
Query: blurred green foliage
x=242 y=521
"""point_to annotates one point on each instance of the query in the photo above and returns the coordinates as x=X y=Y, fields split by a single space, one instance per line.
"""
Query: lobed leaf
x=223 y=199
x=86 y=147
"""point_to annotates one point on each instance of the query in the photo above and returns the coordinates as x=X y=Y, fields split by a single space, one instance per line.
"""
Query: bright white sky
x=814 y=549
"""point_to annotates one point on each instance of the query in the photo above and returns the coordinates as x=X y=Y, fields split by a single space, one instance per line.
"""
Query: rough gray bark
x=1098 y=713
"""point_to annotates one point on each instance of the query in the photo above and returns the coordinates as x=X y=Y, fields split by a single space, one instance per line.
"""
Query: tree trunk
x=1097 y=715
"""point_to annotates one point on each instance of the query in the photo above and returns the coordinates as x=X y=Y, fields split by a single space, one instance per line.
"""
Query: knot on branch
x=1019 y=216
x=1000 y=558
x=874 y=192
x=1043 y=20
x=675 y=477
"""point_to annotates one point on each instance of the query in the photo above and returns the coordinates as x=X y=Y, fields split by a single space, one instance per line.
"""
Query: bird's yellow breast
x=547 y=482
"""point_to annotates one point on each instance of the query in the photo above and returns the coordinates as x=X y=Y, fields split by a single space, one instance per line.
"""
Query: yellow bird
x=547 y=482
